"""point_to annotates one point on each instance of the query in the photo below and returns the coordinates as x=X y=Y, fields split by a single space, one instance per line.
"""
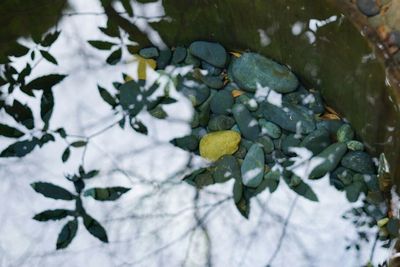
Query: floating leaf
x=66 y=154
x=131 y=98
x=94 y=228
x=243 y=207
x=53 y=215
x=114 y=57
x=80 y=143
x=45 y=82
x=52 y=191
x=301 y=188
x=128 y=7
x=107 y=97
x=19 y=149
x=9 y=131
x=143 y=64
x=90 y=174
x=50 y=38
x=49 y=57
x=67 y=234
x=106 y=194
x=139 y=127
x=46 y=107
x=21 y=113
x=18 y=50
x=102 y=45
x=45 y=139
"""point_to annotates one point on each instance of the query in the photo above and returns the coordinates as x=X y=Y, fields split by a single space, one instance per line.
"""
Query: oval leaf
x=67 y=234
x=9 y=131
x=45 y=82
x=95 y=228
x=52 y=191
x=46 y=55
x=19 y=149
x=47 y=215
x=102 y=45
x=106 y=194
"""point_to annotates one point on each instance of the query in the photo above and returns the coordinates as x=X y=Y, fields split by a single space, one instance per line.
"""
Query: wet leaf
x=80 y=143
x=106 y=194
x=95 y=228
x=102 y=45
x=139 y=127
x=21 y=113
x=45 y=82
x=52 y=191
x=114 y=57
x=19 y=149
x=9 y=131
x=49 y=57
x=50 y=38
x=53 y=215
x=19 y=50
x=107 y=97
x=67 y=234
x=66 y=154
x=46 y=107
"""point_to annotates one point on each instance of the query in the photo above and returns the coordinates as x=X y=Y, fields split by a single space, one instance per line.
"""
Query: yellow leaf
x=236 y=93
x=142 y=66
x=216 y=144
x=235 y=54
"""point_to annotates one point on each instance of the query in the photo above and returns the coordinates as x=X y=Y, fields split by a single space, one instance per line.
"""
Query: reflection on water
x=318 y=44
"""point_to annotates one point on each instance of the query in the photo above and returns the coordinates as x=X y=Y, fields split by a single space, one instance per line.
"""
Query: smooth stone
x=222 y=103
x=345 y=133
x=372 y=182
x=213 y=81
x=316 y=141
x=288 y=142
x=266 y=144
x=226 y=168
x=289 y=117
x=217 y=144
x=204 y=110
x=191 y=60
x=164 y=59
x=296 y=97
x=179 y=55
x=246 y=143
x=199 y=132
x=149 y=52
x=278 y=142
x=344 y=175
x=196 y=94
x=314 y=102
x=272 y=179
x=331 y=157
x=220 y=123
x=250 y=103
x=188 y=143
x=368 y=7
x=252 y=168
x=247 y=124
x=270 y=128
x=212 y=53
x=241 y=152
x=355 y=145
x=332 y=126
x=195 y=120
x=359 y=161
x=251 y=69
x=211 y=70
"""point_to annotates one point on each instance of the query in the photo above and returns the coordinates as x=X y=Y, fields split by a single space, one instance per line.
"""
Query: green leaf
x=94 y=228
x=158 y=112
x=21 y=113
x=301 y=188
x=46 y=138
x=45 y=82
x=111 y=29
x=19 y=149
x=53 y=215
x=61 y=132
x=114 y=57
x=128 y=7
x=50 y=38
x=102 y=45
x=90 y=174
x=9 y=131
x=18 y=50
x=65 y=155
x=106 y=194
x=52 y=191
x=80 y=143
x=131 y=98
x=46 y=107
x=138 y=126
x=243 y=207
x=24 y=73
x=107 y=97
x=46 y=55
x=67 y=234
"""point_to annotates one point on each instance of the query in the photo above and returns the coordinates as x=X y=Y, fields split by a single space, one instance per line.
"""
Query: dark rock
x=220 y=123
x=359 y=161
x=213 y=53
x=247 y=124
x=368 y=7
x=222 y=103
